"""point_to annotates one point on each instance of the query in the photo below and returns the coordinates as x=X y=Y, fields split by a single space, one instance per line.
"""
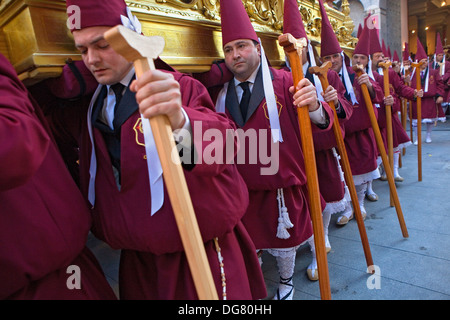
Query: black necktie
x=118 y=89
x=243 y=105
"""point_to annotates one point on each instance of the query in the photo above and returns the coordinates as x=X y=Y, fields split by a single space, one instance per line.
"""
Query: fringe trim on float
x=284 y=222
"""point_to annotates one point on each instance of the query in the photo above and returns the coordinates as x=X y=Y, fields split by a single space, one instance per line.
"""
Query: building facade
x=404 y=20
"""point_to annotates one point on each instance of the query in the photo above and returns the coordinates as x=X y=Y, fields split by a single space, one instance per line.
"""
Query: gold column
x=404 y=21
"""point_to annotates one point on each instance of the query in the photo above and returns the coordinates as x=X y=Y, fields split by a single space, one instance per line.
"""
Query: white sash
x=269 y=93
x=153 y=162
x=348 y=83
x=317 y=82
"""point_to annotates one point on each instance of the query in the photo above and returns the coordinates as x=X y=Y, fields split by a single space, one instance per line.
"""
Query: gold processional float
x=35 y=38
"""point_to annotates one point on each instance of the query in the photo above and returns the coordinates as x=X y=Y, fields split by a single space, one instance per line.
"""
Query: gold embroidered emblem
x=279 y=107
x=139 y=131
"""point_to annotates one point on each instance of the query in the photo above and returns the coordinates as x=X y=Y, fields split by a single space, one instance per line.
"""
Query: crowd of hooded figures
x=78 y=155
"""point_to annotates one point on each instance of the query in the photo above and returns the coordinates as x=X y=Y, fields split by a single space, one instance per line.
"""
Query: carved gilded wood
x=34 y=36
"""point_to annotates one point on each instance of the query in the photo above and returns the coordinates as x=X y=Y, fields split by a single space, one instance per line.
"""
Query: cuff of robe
x=183 y=136
x=318 y=116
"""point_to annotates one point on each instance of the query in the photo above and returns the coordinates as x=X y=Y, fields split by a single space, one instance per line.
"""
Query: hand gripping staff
x=142 y=51
x=322 y=72
x=385 y=66
x=293 y=50
x=419 y=120
x=373 y=120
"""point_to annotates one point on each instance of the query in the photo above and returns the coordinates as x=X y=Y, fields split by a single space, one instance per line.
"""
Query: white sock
x=415 y=134
x=361 y=193
x=396 y=160
x=381 y=169
x=369 y=188
x=326 y=223
x=286 y=263
x=348 y=210
x=429 y=129
x=313 y=264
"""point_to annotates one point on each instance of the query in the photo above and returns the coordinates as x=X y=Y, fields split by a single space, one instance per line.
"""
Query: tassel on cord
x=284 y=222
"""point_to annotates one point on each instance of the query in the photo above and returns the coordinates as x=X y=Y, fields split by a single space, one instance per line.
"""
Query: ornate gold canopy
x=35 y=38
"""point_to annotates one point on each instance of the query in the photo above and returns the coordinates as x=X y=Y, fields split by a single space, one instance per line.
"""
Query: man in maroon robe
x=45 y=220
x=359 y=137
x=278 y=215
x=122 y=178
x=397 y=89
x=443 y=65
x=433 y=92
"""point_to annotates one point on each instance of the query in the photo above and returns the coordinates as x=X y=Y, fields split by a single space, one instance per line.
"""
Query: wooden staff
x=142 y=51
x=411 y=132
x=293 y=50
x=385 y=66
x=373 y=119
x=322 y=72
x=411 y=135
x=419 y=120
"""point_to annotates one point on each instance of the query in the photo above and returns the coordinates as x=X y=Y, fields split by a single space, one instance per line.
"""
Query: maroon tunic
x=359 y=139
x=45 y=220
x=261 y=218
x=331 y=185
x=153 y=263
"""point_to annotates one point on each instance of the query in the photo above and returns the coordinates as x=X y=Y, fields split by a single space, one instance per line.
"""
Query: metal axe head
x=322 y=70
x=133 y=46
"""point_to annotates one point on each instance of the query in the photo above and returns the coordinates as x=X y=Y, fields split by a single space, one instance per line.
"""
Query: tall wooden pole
x=385 y=66
x=293 y=50
x=419 y=120
x=373 y=120
x=321 y=72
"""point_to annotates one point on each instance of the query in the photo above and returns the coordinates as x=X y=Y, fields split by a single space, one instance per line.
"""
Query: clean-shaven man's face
x=107 y=66
x=336 y=61
x=242 y=57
